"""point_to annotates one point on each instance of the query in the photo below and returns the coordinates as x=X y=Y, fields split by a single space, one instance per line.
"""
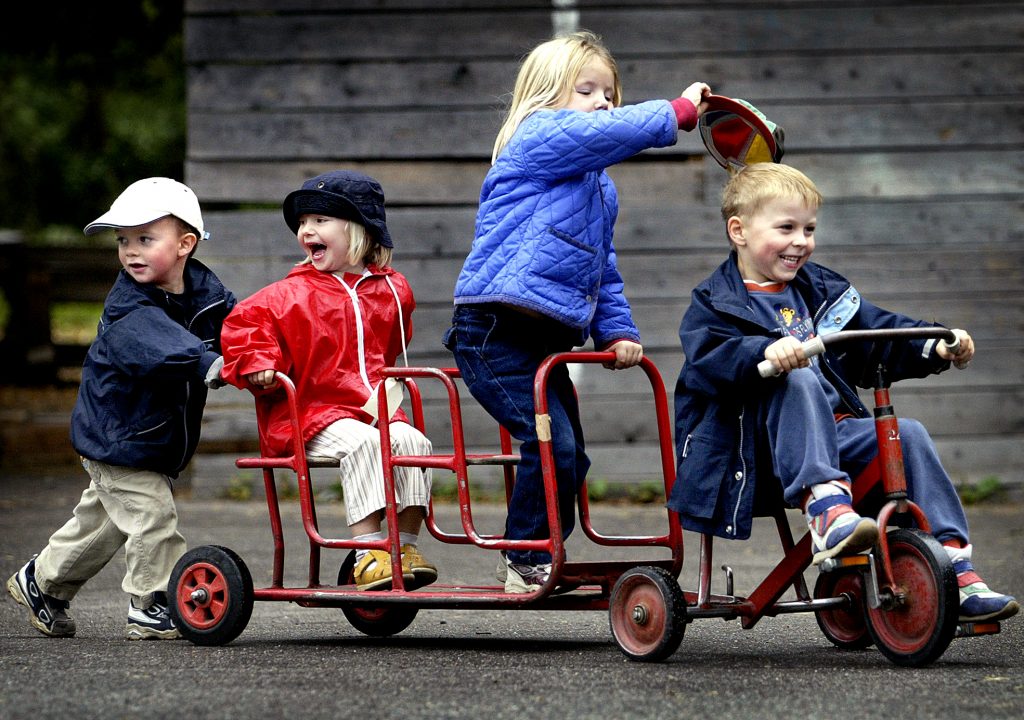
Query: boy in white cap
x=136 y=420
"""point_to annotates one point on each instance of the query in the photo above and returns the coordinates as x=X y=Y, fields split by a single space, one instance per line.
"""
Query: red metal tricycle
x=902 y=596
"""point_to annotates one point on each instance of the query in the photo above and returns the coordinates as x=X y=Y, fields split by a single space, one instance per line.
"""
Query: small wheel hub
x=200 y=596
x=640 y=615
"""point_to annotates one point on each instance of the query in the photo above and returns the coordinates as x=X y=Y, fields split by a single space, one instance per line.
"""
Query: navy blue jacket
x=143 y=388
x=720 y=398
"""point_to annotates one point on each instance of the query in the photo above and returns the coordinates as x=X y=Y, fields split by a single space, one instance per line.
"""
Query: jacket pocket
x=151 y=427
x=704 y=470
x=562 y=259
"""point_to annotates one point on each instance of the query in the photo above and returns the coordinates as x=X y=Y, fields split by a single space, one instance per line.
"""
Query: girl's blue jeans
x=809 y=447
x=498 y=351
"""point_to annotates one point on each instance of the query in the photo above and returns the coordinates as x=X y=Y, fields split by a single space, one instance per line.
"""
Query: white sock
x=408 y=538
x=957 y=554
x=361 y=552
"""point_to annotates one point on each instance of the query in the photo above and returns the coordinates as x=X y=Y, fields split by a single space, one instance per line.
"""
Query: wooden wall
x=908 y=115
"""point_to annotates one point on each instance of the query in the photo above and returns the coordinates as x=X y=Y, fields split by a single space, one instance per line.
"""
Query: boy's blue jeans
x=809 y=447
x=498 y=350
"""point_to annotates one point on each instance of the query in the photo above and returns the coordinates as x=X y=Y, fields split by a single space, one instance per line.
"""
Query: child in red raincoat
x=331 y=325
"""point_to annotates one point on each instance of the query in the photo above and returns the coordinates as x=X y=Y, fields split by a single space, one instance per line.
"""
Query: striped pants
x=357 y=446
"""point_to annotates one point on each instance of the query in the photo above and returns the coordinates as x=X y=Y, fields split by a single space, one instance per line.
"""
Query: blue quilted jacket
x=547 y=212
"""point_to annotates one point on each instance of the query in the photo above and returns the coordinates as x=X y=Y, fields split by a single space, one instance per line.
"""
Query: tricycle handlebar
x=817 y=345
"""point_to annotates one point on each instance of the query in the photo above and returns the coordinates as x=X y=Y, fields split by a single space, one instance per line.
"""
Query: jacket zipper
x=743 y=469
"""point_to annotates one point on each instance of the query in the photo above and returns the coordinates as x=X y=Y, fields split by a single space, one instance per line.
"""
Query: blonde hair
x=753 y=187
x=362 y=248
x=546 y=78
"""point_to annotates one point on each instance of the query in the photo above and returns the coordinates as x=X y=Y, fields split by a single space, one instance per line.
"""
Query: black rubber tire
x=647 y=614
x=918 y=631
x=381 y=620
x=211 y=597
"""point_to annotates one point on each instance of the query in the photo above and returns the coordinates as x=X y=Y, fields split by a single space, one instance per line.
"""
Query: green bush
x=92 y=97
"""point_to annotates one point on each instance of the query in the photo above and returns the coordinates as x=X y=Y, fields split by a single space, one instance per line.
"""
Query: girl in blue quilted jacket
x=541 y=275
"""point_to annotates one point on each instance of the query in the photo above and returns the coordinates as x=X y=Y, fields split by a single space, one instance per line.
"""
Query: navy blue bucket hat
x=342 y=194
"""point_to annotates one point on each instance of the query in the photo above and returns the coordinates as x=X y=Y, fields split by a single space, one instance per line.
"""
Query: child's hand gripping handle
x=954 y=348
x=814 y=346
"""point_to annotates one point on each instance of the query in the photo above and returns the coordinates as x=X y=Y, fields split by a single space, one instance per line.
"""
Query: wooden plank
x=404 y=182
x=193 y=7
x=321 y=36
x=447 y=232
x=658 y=320
x=648 y=31
x=860 y=177
x=657 y=184
x=416 y=231
x=904 y=272
x=346 y=6
x=450 y=132
x=898 y=174
x=773 y=81
x=761 y=29
x=350 y=85
x=674 y=226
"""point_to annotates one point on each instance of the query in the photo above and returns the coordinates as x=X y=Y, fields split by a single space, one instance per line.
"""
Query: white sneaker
x=152 y=623
x=519 y=578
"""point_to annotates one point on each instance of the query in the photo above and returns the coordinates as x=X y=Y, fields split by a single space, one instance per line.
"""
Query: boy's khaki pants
x=122 y=507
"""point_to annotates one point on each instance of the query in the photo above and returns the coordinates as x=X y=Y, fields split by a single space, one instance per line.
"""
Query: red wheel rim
x=639 y=619
x=847 y=624
x=203 y=596
x=909 y=627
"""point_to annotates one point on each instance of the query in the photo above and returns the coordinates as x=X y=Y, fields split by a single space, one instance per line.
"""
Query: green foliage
x=988 y=488
x=92 y=97
x=597 y=490
x=239 y=488
x=648 y=492
x=74 y=323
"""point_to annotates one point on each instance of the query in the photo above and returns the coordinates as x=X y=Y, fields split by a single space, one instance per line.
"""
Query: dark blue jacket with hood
x=721 y=399
x=143 y=387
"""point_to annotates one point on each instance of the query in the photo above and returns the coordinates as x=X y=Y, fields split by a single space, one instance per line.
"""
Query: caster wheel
x=211 y=595
x=845 y=627
x=374 y=620
x=647 y=613
x=919 y=628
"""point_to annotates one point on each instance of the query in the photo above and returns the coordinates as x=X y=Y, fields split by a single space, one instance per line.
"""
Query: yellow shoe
x=423 y=572
x=373 y=572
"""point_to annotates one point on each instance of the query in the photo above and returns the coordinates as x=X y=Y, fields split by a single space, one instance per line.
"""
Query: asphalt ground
x=310 y=663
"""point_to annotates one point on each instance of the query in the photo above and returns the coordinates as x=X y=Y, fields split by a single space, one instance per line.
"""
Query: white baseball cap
x=147 y=200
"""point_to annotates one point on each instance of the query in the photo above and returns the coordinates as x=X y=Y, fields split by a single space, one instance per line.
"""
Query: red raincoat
x=331 y=340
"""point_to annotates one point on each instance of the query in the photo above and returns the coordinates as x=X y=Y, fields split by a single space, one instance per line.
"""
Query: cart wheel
x=918 y=630
x=211 y=591
x=845 y=627
x=647 y=613
x=374 y=620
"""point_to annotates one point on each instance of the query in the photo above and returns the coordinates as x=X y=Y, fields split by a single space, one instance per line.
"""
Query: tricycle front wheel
x=919 y=626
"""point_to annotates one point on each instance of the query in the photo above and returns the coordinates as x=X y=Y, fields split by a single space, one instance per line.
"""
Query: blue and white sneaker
x=837 y=529
x=977 y=602
x=49 y=615
x=151 y=623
